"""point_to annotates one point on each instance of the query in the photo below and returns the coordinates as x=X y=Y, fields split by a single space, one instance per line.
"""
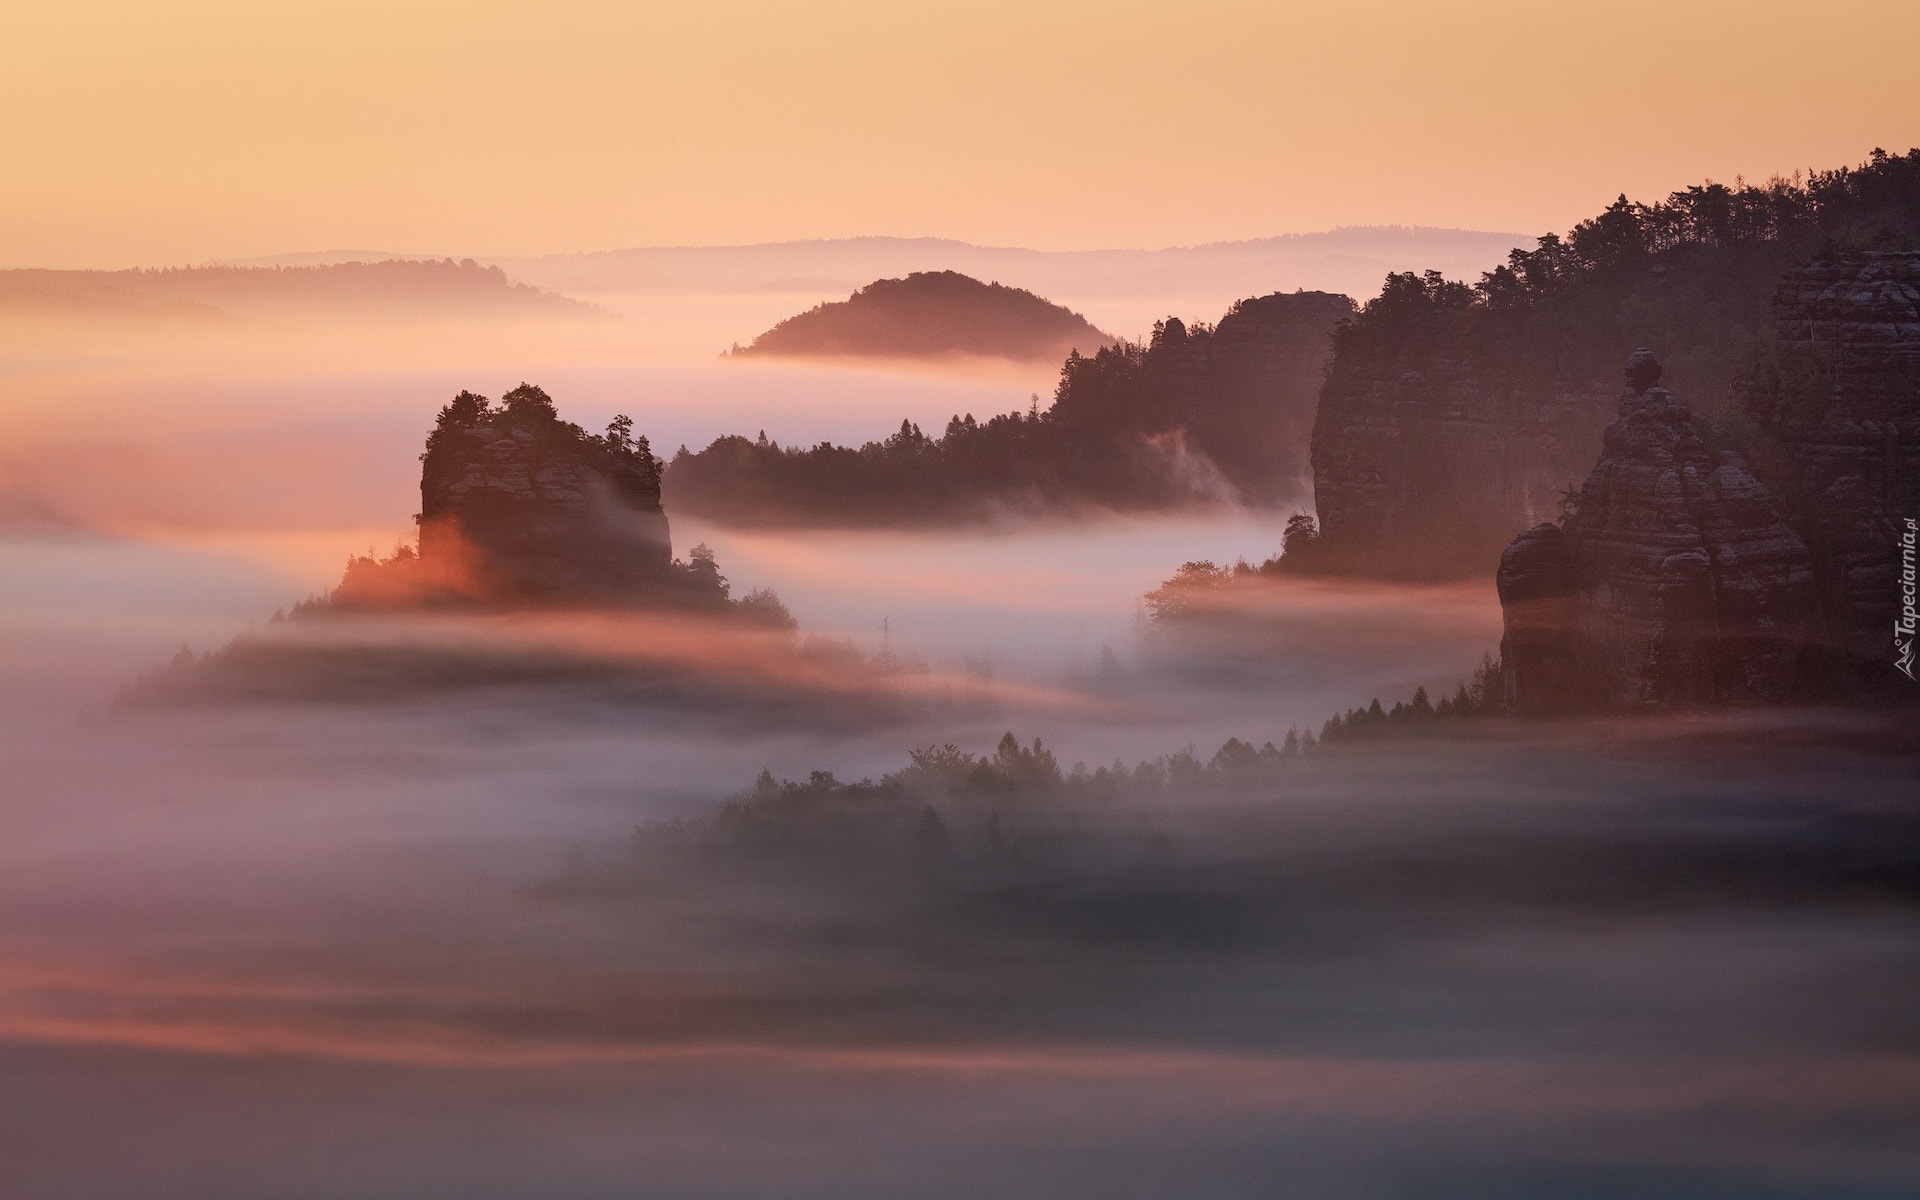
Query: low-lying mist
x=497 y=944
x=475 y=903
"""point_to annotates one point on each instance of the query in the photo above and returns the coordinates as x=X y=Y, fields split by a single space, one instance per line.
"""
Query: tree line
x=1196 y=415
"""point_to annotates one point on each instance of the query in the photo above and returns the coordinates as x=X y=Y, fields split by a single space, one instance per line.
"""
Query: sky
x=161 y=133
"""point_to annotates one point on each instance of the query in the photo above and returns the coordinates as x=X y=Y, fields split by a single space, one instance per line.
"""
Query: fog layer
x=448 y=939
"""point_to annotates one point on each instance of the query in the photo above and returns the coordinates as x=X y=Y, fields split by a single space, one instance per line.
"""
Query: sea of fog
x=406 y=948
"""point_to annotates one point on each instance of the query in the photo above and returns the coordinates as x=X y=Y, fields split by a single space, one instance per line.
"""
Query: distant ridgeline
x=1200 y=415
x=383 y=289
x=1454 y=416
x=931 y=314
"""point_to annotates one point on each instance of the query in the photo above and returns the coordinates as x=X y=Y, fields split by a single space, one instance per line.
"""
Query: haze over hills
x=932 y=314
x=1352 y=261
x=688 y=303
x=383 y=287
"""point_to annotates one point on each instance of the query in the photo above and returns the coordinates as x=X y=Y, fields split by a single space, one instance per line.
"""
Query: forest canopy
x=1698 y=267
x=1198 y=415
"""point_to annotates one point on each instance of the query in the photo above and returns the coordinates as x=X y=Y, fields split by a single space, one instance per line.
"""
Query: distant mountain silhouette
x=931 y=314
x=1352 y=261
x=385 y=289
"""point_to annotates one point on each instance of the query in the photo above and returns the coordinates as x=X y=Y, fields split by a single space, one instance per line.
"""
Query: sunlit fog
x=606 y=697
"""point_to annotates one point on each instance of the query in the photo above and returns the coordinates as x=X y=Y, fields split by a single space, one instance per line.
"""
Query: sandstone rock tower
x=1676 y=582
x=529 y=507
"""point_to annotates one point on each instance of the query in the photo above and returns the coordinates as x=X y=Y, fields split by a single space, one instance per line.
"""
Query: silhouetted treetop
x=1453 y=413
x=1197 y=415
x=1875 y=206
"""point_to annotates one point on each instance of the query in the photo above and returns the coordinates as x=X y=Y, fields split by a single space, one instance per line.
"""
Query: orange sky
x=150 y=133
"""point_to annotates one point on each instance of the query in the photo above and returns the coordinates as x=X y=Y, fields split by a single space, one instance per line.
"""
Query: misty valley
x=1450 y=740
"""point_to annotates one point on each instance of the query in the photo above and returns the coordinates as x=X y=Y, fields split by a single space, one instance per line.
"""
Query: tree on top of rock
x=528 y=407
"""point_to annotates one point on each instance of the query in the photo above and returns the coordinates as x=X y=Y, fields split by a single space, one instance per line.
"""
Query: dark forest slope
x=1456 y=415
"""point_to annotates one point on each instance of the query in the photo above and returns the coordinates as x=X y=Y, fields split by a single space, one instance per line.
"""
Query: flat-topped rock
x=520 y=504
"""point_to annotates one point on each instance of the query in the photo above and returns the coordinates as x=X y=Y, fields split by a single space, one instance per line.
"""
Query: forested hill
x=1455 y=415
x=932 y=314
x=1199 y=416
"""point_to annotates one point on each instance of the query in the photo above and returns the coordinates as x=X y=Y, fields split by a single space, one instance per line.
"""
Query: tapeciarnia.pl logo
x=1903 y=625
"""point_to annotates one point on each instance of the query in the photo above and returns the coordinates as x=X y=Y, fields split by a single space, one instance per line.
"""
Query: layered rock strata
x=1677 y=581
x=524 y=505
x=1537 y=606
x=1424 y=463
x=1838 y=433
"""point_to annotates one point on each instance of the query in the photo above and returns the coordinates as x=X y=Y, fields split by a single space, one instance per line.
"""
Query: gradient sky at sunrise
x=144 y=133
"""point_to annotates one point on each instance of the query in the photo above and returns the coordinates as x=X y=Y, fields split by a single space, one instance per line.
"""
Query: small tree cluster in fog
x=1019 y=788
x=1198 y=590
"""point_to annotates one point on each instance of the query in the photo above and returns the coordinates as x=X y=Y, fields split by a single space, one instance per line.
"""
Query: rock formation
x=1425 y=461
x=1243 y=392
x=518 y=504
x=1686 y=585
x=1537 y=606
x=1453 y=413
x=1838 y=433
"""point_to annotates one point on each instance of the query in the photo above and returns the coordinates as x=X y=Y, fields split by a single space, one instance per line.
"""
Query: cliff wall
x=1424 y=463
x=1836 y=424
x=1454 y=414
x=1690 y=589
x=1242 y=392
x=523 y=505
x=1537 y=605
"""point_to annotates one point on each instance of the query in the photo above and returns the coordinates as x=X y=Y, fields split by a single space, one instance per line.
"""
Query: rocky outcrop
x=1425 y=462
x=1454 y=413
x=516 y=503
x=1242 y=393
x=1687 y=586
x=1537 y=606
x=1837 y=423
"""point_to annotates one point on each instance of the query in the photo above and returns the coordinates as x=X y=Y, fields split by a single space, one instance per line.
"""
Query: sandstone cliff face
x=1266 y=345
x=1265 y=361
x=1537 y=608
x=1690 y=589
x=1838 y=429
x=1423 y=462
x=1687 y=586
x=526 y=505
x=1242 y=393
